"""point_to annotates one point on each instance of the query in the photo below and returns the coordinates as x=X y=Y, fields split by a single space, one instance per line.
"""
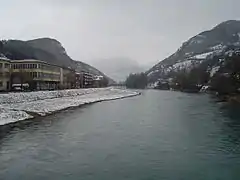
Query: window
x=34 y=74
x=40 y=75
x=7 y=65
x=1 y=65
x=1 y=83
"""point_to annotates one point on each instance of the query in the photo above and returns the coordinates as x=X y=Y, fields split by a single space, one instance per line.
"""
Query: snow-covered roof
x=4 y=58
x=98 y=78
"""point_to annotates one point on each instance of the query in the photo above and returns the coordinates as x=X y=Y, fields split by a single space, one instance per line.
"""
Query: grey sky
x=143 y=30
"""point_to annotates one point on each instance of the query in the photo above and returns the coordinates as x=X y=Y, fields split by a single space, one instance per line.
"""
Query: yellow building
x=38 y=74
x=4 y=74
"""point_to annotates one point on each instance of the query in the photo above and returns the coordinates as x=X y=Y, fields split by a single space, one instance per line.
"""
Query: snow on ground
x=230 y=53
x=238 y=35
x=214 y=71
x=217 y=47
x=17 y=106
x=152 y=72
x=203 y=56
x=9 y=116
x=182 y=65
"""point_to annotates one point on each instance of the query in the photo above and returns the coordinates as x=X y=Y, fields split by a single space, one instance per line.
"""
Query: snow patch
x=204 y=89
x=3 y=57
x=152 y=72
x=238 y=35
x=183 y=65
x=200 y=36
x=10 y=116
x=187 y=55
x=217 y=47
x=230 y=53
x=203 y=56
x=214 y=71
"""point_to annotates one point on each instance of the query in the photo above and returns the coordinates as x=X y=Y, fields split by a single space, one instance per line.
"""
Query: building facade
x=88 y=79
x=78 y=80
x=41 y=75
x=5 y=74
x=98 y=81
x=38 y=74
x=67 y=78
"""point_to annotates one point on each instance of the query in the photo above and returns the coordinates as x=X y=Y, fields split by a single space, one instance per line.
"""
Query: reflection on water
x=159 y=135
x=231 y=125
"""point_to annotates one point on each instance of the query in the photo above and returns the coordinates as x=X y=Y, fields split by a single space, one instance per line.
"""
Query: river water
x=158 y=135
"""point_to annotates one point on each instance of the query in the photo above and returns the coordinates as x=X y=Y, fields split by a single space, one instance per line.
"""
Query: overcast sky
x=143 y=30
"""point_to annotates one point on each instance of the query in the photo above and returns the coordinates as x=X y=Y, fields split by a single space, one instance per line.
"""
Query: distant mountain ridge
x=45 y=49
x=118 y=67
x=221 y=41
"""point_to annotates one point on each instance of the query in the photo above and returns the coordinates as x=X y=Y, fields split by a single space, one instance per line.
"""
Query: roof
x=3 y=58
x=37 y=61
x=98 y=78
x=28 y=60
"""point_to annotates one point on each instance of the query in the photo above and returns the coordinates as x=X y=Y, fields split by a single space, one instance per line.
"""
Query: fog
x=145 y=31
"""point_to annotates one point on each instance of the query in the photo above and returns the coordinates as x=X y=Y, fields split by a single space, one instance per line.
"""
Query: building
x=67 y=78
x=4 y=74
x=87 y=79
x=41 y=75
x=98 y=81
x=32 y=74
x=78 y=80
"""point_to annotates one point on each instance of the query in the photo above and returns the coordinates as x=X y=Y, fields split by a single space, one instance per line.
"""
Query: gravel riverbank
x=16 y=107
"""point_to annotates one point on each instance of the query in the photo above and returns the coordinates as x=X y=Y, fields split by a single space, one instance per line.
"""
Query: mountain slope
x=55 y=48
x=45 y=49
x=221 y=41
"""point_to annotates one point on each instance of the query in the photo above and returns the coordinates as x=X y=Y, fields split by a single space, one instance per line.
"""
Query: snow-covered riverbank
x=16 y=107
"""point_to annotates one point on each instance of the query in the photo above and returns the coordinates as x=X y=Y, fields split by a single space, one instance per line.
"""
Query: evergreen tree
x=136 y=81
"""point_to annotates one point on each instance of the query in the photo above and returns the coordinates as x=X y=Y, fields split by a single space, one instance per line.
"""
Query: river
x=158 y=135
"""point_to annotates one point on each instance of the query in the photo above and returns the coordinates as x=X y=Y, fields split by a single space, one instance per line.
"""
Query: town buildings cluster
x=31 y=74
